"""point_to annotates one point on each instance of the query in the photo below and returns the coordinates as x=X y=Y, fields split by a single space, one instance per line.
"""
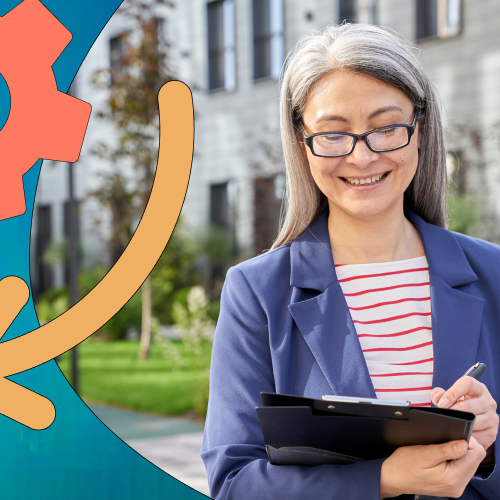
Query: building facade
x=231 y=52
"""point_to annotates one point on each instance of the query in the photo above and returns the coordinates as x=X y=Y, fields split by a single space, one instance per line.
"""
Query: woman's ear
x=300 y=138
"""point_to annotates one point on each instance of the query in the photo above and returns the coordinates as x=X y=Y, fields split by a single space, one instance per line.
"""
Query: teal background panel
x=4 y=102
x=77 y=457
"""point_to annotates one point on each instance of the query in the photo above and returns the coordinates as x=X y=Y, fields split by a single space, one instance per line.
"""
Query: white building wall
x=53 y=182
x=229 y=126
x=466 y=71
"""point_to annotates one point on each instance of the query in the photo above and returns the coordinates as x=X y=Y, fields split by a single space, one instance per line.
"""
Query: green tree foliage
x=466 y=208
x=465 y=212
x=175 y=270
x=139 y=67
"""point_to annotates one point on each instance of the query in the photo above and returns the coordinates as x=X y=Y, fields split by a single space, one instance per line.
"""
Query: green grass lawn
x=110 y=372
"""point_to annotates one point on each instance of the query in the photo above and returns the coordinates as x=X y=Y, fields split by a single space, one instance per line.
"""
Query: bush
x=172 y=278
x=465 y=212
x=128 y=316
x=51 y=304
x=175 y=270
x=200 y=400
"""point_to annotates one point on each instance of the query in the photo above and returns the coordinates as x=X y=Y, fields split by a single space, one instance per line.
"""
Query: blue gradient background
x=77 y=457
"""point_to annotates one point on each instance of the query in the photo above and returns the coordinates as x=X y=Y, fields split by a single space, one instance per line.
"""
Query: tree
x=472 y=197
x=139 y=67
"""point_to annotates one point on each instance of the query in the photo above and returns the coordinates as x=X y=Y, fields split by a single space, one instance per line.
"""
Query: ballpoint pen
x=475 y=371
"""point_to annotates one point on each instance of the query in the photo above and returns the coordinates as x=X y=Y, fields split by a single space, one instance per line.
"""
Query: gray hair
x=383 y=55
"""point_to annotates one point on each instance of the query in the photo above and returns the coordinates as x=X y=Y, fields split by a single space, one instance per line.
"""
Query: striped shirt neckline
x=414 y=262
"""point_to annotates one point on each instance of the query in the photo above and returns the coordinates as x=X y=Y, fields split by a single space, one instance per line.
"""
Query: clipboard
x=342 y=431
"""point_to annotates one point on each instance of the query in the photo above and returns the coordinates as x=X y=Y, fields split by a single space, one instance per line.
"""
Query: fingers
x=474 y=456
x=464 y=386
x=485 y=421
x=485 y=437
x=476 y=452
x=433 y=455
x=477 y=405
x=469 y=461
x=436 y=394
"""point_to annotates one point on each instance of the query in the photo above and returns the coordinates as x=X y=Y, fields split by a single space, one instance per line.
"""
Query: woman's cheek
x=324 y=178
x=324 y=167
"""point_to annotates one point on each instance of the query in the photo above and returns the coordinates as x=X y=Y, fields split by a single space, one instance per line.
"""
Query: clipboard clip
x=349 y=399
x=388 y=409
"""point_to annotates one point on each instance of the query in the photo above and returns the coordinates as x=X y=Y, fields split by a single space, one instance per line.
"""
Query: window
x=67 y=220
x=219 y=205
x=268 y=196
x=438 y=18
x=222 y=240
x=267 y=38
x=116 y=53
x=348 y=11
x=223 y=205
x=221 y=55
x=357 y=11
x=43 y=240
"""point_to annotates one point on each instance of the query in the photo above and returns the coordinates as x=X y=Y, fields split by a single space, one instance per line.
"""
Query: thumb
x=474 y=455
x=439 y=453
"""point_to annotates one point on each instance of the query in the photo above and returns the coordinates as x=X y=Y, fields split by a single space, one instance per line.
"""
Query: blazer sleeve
x=233 y=447
x=489 y=488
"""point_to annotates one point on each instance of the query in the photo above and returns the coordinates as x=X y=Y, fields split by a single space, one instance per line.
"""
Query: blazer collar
x=312 y=263
x=444 y=254
x=311 y=257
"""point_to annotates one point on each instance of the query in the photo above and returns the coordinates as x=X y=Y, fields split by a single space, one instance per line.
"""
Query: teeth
x=368 y=180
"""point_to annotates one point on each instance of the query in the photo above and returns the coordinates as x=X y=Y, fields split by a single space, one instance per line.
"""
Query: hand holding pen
x=468 y=394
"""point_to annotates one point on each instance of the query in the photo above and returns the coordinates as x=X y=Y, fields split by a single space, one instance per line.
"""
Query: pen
x=475 y=371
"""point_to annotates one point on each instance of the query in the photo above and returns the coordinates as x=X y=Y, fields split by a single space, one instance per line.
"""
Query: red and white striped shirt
x=391 y=310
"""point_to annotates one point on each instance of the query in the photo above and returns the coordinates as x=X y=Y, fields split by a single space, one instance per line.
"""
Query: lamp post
x=72 y=266
x=72 y=257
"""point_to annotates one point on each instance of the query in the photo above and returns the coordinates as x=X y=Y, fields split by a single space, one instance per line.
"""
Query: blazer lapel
x=324 y=320
x=327 y=328
x=456 y=324
x=456 y=315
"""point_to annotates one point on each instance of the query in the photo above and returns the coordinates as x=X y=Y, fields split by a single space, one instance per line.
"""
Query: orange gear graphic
x=43 y=122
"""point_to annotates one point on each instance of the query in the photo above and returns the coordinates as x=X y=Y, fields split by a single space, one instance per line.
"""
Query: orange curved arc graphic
x=121 y=282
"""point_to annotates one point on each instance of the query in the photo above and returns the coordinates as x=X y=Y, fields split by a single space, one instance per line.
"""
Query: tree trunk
x=146 y=320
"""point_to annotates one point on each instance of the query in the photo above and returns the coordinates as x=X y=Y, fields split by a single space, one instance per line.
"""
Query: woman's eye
x=386 y=131
x=335 y=138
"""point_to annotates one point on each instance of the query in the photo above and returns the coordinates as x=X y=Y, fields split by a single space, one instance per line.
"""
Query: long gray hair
x=381 y=54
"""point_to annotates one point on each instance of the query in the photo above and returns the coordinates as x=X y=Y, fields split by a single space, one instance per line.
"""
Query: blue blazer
x=285 y=327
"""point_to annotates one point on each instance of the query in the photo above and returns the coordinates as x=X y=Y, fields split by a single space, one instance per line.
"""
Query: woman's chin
x=364 y=210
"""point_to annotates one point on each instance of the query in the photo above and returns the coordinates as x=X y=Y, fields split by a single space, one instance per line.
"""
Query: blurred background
x=154 y=355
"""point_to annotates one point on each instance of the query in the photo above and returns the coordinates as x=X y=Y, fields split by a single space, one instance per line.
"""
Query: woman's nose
x=362 y=156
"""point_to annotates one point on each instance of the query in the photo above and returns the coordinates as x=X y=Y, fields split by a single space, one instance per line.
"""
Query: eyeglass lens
x=380 y=140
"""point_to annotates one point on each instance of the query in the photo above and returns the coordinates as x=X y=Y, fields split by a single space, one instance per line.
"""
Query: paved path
x=172 y=444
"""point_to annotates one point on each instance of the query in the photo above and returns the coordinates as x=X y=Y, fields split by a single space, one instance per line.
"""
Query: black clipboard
x=306 y=431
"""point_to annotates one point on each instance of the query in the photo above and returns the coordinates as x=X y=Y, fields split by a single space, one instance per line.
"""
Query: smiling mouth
x=366 y=181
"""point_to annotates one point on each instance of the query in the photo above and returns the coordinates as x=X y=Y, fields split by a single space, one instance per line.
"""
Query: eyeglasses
x=379 y=140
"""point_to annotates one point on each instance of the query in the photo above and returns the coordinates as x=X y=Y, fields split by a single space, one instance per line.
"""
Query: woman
x=364 y=292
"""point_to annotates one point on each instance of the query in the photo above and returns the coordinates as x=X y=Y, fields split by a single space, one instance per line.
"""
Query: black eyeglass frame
x=308 y=139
